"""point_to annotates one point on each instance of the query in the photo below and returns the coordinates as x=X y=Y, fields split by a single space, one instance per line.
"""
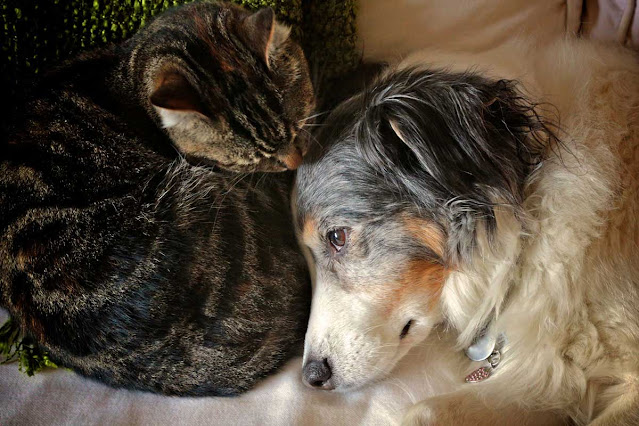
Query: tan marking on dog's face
x=423 y=276
x=427 y=233
x=420 y=280
x=308 y=229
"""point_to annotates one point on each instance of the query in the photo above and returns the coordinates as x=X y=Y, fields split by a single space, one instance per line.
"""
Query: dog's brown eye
x=337 y=238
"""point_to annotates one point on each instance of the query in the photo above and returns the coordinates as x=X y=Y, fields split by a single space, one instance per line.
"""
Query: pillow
x=390 y=30
x=612 y=20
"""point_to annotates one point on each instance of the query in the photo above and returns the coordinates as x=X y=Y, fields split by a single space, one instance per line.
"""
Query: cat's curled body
x=132 y=265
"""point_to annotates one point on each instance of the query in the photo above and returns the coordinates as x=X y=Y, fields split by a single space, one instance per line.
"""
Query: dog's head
x=406 y=178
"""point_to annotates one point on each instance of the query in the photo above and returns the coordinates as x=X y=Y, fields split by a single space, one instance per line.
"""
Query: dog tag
x=482 y=348
x=484 y=372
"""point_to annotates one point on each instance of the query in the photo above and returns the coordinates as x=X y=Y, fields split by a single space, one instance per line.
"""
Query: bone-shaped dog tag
x=484 y=372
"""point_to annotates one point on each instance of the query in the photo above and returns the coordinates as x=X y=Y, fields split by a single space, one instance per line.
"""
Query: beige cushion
x=616 y=20
x=391 y=28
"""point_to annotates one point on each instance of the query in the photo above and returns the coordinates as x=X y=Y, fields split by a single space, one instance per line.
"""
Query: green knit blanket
x=37 y=34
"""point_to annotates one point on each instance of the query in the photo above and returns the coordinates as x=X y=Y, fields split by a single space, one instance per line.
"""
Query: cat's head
x=229 y=86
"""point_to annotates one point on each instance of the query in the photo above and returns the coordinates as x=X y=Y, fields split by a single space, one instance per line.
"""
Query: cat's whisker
x=219 y=207
x=260 y=180
x=310 y=117
x=312 y=137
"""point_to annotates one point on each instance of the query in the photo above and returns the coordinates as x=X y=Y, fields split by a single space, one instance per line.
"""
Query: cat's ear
x=174 y=92
x=264 y=34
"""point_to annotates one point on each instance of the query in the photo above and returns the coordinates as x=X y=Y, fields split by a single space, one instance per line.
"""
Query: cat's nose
x=317 y=374
x=292 y=159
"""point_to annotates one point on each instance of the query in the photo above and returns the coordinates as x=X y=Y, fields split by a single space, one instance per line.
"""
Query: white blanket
x=59 y=396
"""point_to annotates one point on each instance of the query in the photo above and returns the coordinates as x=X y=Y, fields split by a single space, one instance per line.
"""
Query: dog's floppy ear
x=454 y=139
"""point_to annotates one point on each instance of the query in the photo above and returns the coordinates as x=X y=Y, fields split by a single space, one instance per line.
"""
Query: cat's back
x=70 y=175
x=67 y=142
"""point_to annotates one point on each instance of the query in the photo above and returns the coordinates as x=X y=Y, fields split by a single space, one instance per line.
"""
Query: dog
x=494 y=195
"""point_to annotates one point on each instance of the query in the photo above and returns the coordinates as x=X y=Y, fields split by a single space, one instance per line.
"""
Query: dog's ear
x=455 y=139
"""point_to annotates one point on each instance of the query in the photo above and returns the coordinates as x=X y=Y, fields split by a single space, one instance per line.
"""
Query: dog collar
x=486 y=348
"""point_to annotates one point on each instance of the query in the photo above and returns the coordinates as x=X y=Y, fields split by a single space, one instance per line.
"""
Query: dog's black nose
x=317 y=374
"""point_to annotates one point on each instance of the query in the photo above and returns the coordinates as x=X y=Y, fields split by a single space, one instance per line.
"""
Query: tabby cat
x=130 y=245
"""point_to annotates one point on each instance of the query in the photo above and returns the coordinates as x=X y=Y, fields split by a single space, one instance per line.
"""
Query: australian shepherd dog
x=494 y=195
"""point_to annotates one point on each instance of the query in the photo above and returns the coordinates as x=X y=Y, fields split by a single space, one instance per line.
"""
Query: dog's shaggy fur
x=490 y=206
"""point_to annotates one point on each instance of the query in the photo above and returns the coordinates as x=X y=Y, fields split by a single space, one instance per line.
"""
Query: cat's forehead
x=212 y=35
x=213 y=23
x=207 y=12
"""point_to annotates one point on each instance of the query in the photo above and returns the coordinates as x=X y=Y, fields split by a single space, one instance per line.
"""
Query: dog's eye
x=337 y=238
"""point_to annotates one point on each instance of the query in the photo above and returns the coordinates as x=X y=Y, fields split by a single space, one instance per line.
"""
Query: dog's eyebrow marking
x=309 y=228
x=427 y=233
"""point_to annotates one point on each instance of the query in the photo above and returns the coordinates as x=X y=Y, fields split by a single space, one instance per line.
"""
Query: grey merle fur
x=446 y=147
x=132 y=265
